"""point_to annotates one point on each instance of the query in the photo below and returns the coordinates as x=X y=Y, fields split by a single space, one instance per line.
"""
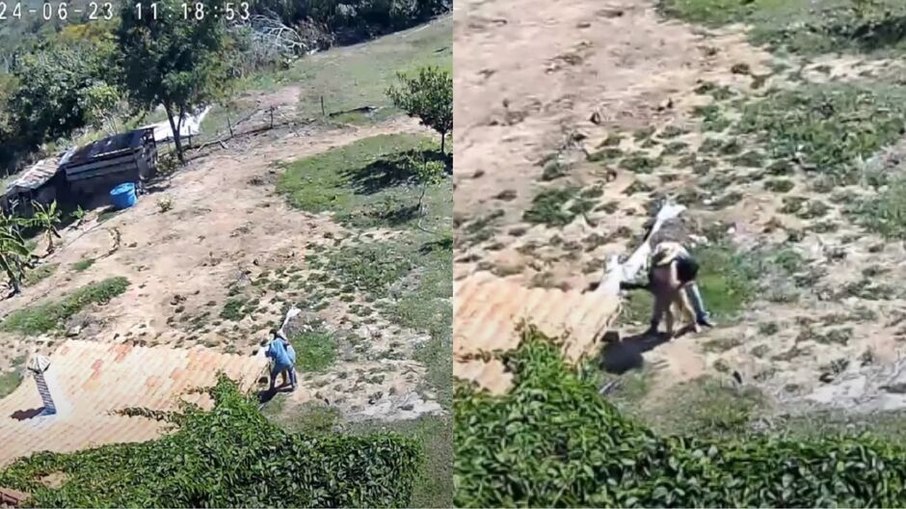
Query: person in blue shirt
x=284 y=358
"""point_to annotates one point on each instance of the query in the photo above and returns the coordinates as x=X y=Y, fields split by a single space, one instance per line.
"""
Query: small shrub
x=164 y=205
x=83 y=264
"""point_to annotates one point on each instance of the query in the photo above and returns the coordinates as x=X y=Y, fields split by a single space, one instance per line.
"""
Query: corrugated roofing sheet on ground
x=488 y=310
x=90 y=381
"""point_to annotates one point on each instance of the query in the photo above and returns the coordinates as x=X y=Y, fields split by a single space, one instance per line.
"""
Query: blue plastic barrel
x=123 y=196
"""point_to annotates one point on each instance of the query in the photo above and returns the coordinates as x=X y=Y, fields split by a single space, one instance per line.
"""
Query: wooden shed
x=102 y=165
x=41 y=182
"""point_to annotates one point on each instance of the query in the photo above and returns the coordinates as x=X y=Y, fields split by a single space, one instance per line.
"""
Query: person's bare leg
x=661 y=303
x=670 y=320
x=686 y=310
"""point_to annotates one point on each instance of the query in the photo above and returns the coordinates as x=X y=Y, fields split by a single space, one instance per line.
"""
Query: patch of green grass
x=356 y=76
x=706 y=408
x=815 y=425
x=370 y=182
x=714 y=12
x=779 y=185
x=637 y=307
x=40 y=273
x=309 y=418
x=639 y=163
x=884 y=213
x=675 y=147
x=10 y=380
x=415 y=274
x=553 y=170
x=557 y=206
x=108 y=213
x=605 y=154
x=829 y=126
x=315 y=350
x=371 y=267
x=434 y=485
x=236 y=308
x=427 y=306
x=83 y=264
x=48 y=316
x=802 y=26
x=727 y=279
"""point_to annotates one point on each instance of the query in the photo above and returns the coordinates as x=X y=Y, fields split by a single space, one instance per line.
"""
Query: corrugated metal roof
x=90 y=381
x=111 y=144
x=488 y=308
x=36 y=175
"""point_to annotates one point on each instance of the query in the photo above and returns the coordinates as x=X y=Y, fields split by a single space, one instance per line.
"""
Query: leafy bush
x=554 y=441
x=231 y=456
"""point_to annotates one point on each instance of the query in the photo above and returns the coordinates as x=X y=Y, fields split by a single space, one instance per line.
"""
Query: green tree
x=428 y=96
x=172 y=61
x=47 y=103
x=101 y=103
x=46 y=218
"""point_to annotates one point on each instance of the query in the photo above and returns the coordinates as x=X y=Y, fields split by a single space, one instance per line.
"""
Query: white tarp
x=191 y=126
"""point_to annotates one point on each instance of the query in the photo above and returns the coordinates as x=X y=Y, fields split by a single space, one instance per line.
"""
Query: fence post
x=272 y=117
x=323 y=111
x=229 y=125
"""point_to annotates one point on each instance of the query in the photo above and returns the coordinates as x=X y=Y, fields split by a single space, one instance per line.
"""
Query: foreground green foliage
x=231 y=456
x=434 y=483
x=554 y=441
x=48 y=316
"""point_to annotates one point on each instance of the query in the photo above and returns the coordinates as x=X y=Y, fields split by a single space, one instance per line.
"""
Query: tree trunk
x=174 y=126
x=421 y=207
x=443 y=142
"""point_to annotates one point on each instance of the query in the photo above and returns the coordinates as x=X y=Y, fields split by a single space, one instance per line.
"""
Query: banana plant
x=15 y=254
x=46 y=218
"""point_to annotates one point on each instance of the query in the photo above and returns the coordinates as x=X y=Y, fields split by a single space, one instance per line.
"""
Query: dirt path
x=528 y=73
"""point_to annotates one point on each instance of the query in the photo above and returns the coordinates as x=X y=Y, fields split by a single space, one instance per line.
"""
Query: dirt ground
x=214 y=225
x=541 y=81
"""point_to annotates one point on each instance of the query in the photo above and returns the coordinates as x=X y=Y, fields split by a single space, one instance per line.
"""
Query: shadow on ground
x=391 y=170
x=626 y=354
